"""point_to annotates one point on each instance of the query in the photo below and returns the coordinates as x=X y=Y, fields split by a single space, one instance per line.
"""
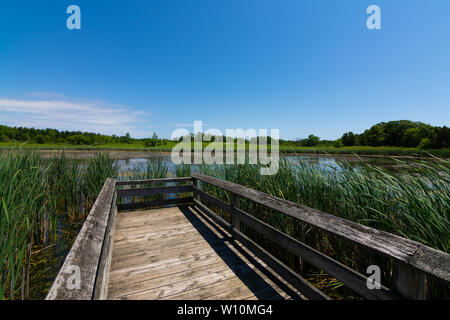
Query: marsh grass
x=412 y=203
x=34 y=195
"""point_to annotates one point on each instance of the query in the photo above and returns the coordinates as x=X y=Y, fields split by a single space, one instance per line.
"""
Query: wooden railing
x=153 y=191
x=91 y=252
x=414 y=261
x=84 y=273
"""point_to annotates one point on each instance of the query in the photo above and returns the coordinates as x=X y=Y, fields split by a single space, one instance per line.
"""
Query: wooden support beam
x=102 y=278
x=140 y=192
x=155 y=203
x=152 y=181
x=409 y=282
x=234 y=216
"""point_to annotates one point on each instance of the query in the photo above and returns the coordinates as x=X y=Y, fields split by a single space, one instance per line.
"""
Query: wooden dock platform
x=177 y=238
x=177 y=253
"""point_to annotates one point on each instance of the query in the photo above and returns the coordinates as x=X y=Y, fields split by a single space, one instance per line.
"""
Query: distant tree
x=374 y=136
x=424 y=143
x=338 y=143
x=311 y=141
x=412 y=137
x=153 y=141
x=126 y=138
x=41 y=139
x=440 y=137
x=348 y=139
x=78 y=139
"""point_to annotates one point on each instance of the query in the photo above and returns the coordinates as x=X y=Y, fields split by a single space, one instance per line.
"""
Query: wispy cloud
x=69 y=114
x=45 y=94
x=189 y=125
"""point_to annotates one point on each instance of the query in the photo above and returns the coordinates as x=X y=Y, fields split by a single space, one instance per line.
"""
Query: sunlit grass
x=33 y=194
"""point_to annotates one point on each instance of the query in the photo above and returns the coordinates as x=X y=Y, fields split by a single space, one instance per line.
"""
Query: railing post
x=409 y=282
x=195 y=184
x=234 y=216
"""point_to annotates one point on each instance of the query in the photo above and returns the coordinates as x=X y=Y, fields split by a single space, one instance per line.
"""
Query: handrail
x=151 y=191
x=151 y=181
x=78 y=275
x=413 y=257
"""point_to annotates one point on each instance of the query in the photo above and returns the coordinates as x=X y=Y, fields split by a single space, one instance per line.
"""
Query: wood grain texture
x=175 y=253
x=84 y=255
x=140 y=192
x=152 y=181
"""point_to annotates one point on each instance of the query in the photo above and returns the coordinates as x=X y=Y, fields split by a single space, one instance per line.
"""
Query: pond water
x=324 y=161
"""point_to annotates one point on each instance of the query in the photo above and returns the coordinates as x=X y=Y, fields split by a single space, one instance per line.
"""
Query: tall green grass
x=413 y=202
x=34 y=193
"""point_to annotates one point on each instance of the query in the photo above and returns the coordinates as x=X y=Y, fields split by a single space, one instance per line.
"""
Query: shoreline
x=121 y=154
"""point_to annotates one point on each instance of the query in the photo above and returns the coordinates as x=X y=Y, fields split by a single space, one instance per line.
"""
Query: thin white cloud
x=189 y=125
x=65 y=114
x=45 y=94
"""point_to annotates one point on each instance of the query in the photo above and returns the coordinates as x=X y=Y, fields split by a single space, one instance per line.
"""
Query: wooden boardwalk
x=187 y=251
x=178 y=253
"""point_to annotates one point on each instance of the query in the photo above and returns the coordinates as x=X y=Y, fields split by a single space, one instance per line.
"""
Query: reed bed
x=413 y=203
x=34 y=195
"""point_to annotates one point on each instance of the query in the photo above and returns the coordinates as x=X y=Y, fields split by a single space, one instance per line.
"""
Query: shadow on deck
x=179 y=253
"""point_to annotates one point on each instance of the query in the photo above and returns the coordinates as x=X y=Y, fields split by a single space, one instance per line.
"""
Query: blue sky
x=299 y=66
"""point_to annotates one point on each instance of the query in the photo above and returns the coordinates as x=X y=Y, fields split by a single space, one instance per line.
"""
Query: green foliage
x=33 y=194
x=41 y=139
x=349 y=139
x=401 y=133
x=78 y=139
x=424 y=143
x=338 y=143
x=3 y=137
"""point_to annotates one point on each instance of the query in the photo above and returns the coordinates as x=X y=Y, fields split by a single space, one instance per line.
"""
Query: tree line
x=402 y=133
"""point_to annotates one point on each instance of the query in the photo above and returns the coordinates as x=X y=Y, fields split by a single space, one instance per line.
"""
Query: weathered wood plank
x=185 y=263
x=156 y=282
x=155 y=203
x=409 y=282
x=84 y=256
x=140 y=192
x=152 y=181
x=185 y=286
x=102 y=278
